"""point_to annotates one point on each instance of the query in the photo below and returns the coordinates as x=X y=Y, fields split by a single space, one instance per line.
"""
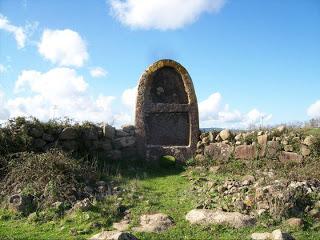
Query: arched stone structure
x=167 y=120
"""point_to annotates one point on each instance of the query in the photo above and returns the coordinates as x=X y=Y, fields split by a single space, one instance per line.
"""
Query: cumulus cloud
x=314 y=110
x=60 y=92
x=63 y=47
x=2 y=68
x=213 y=113
x=4 y=112
x=97 y=72
x=18 y=32
x=162 y=14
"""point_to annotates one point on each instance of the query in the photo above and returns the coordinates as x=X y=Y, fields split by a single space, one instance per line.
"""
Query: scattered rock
x=83 y=205
x=69 y=133
x=158 y=222
x=206 y=216
x=286 y=157
x=113 y=235
x=294 y=222
x=281 y=129
x=309 y=140
x=225 y=134
x=305 y=151
x=122 y=225
x=261 y=236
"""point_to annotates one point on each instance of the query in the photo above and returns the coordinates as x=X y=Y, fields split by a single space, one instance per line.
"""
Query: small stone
x=305 y=151
x=309 y=140
x=113 y=235
x=261 y=236
x=279 y=235
x=294 y=222
x=288 y=148
x=315 y=213
x=281 y=129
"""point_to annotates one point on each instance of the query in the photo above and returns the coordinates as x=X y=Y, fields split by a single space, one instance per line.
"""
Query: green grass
x=155 y=190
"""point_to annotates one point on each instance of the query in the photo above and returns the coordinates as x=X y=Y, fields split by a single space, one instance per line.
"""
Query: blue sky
x=249 y=60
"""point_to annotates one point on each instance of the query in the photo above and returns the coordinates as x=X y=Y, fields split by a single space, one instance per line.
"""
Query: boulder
x=113 y=235
x=128 y=129
x=245 y=152
x=36 y=132
x=262 y=141
x=69 y=133
x=286 y=157
x=238 y=137
x=305 y=151
x=207 y=216
x=120 y=133
x=158 y=222
x=38 y=143
x=273 y=147
x=261 y=236
x=108 y=131
x=47 y=137
x=70 y=145
x=309 y=140
x=83 y=205
x=123 y=142
x=218 y=151
x=225 y=134
x=90 y=133
x=22 y=203
x=279 y=235
x=294 y=222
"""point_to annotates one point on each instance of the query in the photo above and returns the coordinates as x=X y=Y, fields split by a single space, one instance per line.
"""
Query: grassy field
x=154 y=190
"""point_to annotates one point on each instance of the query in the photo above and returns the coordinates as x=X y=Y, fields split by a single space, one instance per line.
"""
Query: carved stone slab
x=167 y=120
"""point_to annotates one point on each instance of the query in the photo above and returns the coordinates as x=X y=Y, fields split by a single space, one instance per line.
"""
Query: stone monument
x=167 y=121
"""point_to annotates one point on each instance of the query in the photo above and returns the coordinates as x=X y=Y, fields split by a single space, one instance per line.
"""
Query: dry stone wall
x=280 y=143
x=112 y=143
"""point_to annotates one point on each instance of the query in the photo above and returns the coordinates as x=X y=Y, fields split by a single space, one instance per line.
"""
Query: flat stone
x=261 y=236
x=294 y=222
x=286 y=157
x=158 y=222
x=113 y=235
x=206 y=217
x=245 y=152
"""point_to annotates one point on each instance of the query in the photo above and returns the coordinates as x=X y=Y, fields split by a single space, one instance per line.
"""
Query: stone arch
x=167 y=121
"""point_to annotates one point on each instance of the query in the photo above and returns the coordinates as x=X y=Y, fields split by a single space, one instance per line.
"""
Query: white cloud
x=98 y=72
x=212 y=113
x=129 y=97
x=314 y=110
x=59 y=92
x=4 y=112
x=63 y=47
x=18 y=32
x=2 y=68
x=162 y=14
